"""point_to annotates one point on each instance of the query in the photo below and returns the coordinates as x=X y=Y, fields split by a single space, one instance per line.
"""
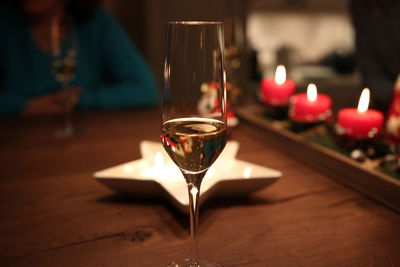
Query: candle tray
x=319 y=146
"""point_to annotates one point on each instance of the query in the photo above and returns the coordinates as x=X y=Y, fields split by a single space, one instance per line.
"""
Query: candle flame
x=364 y=101
x=128 y=168
x=280 y=74
x=312 y=92
x=247 y=172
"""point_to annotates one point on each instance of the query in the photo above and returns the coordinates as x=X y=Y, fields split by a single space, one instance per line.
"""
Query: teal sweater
x=104 y=54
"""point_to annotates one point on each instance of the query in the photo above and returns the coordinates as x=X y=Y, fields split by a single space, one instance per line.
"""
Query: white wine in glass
x=193 y=130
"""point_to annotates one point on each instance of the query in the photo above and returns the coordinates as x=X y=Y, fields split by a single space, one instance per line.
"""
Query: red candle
x=360 y=123
x=276 y=92
x=311 y=107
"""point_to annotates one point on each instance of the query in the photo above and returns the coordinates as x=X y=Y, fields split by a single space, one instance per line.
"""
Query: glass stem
x=68 y=106
x=193 y=184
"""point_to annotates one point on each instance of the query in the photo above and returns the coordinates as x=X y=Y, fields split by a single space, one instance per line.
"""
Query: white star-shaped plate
x=155 y=174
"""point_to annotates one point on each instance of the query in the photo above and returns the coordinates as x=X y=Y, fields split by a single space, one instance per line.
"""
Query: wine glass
x=193 y=130
x=64 y=49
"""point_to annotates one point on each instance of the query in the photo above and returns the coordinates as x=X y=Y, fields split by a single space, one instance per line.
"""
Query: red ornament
x=393 y=121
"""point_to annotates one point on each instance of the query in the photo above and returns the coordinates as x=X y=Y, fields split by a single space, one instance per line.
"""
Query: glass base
x=190 y=263
x=68 y=132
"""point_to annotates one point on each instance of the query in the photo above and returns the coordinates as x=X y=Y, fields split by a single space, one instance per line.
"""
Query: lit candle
x=276 y=92
x=311 y=107
x=360 y=123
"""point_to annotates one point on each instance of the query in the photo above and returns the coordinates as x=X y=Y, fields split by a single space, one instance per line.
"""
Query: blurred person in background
x=110 y=72
x=377 y=29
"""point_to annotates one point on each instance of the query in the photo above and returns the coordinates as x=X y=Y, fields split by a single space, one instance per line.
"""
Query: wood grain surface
x=53 y=213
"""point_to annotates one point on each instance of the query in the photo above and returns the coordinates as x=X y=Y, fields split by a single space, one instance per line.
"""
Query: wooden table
x=53 y=213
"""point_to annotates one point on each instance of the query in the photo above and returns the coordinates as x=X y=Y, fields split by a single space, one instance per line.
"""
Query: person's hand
x=67 y=98
x=55 y=103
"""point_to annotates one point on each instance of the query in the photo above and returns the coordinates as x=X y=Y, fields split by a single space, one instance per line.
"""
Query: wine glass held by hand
x=64 y=46
x=193 y=130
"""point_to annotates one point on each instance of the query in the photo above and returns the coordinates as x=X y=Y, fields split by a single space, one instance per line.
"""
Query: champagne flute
x=64 y=46
x=193 y=130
